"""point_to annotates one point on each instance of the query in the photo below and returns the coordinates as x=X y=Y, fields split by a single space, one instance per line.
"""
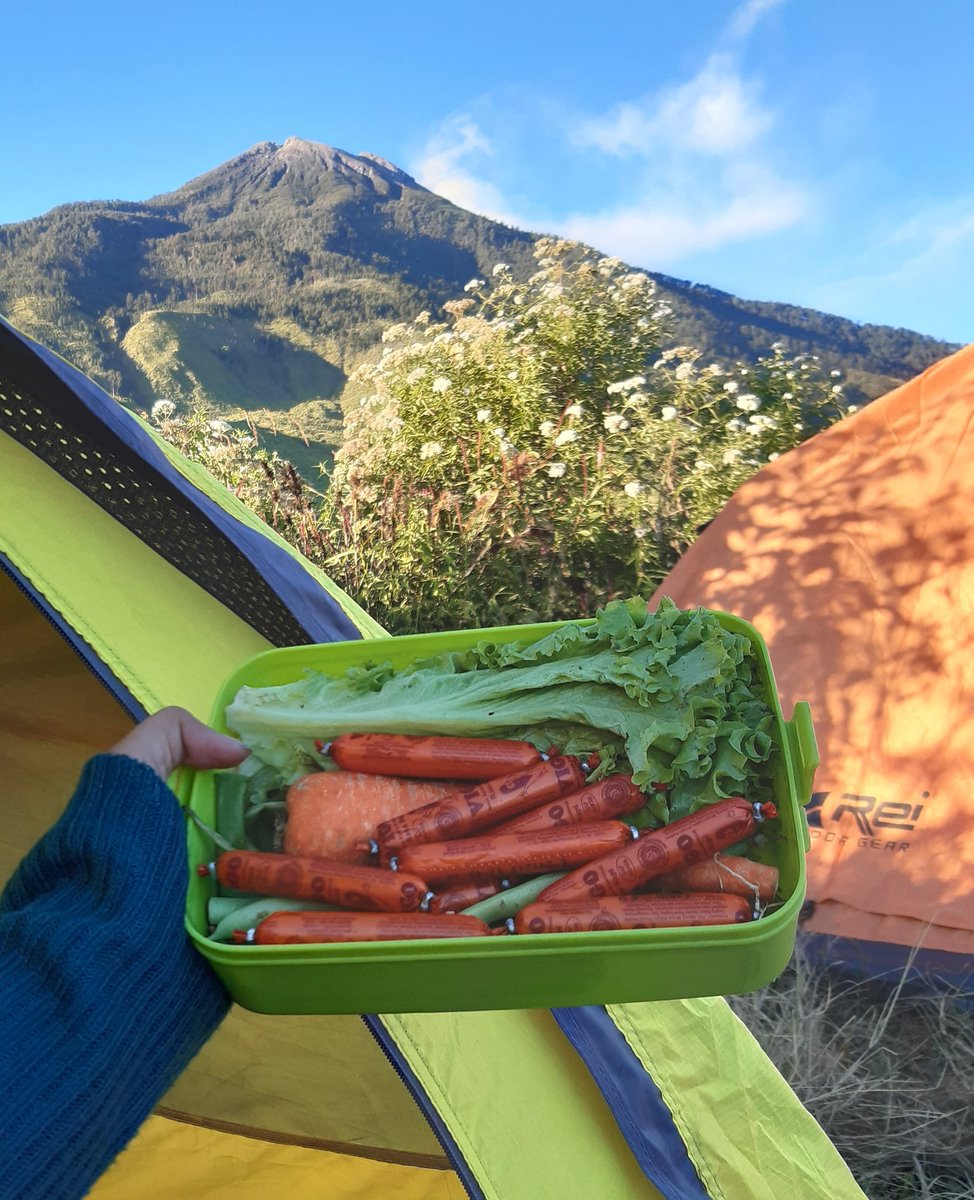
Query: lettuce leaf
x=670 y=695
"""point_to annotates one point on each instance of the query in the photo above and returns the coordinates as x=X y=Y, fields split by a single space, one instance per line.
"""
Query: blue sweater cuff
x=105 y=1000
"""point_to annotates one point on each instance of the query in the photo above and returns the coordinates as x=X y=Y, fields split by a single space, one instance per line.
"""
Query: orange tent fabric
x=854 y=557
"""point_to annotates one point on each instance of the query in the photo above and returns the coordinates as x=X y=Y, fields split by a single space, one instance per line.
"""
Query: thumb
x=206 y=749
x=173 y=737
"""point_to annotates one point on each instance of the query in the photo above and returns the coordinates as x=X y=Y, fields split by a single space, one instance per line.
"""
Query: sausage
x=660 y=851
x=514 y=853
x=459 y=896
x=611 y=797
x=722 y=873
x=288 y=928
x=373 y=889
x=431 y=757
x=633 y=912
x=474 y=808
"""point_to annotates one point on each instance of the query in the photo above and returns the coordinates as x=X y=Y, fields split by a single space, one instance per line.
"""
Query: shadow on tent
x=854 y=556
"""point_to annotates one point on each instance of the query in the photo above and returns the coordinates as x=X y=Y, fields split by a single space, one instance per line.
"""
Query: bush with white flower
x=538 y=452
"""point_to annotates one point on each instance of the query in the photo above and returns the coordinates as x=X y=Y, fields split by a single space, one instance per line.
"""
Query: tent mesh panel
x=99 y=464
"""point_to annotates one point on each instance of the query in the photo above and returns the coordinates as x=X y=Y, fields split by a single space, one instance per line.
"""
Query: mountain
x=256 y=287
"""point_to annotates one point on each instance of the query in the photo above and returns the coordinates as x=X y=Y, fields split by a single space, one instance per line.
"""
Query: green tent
x=132 y=580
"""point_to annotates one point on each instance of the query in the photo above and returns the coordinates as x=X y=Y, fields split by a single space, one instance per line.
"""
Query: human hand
x=173 y=737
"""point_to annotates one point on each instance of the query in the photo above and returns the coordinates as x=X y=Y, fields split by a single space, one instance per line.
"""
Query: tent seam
x=400 y=1158
x=625 y=1026
x=431 y=1084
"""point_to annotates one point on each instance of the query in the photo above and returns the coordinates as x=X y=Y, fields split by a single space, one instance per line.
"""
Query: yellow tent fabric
x=854 y=556
x=313 y=1102
x=172 y=1158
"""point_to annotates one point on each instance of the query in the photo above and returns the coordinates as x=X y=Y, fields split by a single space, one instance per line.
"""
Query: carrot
x=329 y=812
x=722 y=873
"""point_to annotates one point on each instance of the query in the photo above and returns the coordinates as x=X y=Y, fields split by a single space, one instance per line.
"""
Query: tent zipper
x=398 y=1063
x=101 y=672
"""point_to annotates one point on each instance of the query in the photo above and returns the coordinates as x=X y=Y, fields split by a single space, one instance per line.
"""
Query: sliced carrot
x=328 y=812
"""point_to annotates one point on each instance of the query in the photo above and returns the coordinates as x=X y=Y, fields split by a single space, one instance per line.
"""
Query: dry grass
x=886 y=1071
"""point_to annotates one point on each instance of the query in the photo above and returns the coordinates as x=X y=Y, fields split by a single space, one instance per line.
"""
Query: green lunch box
x=536 y=971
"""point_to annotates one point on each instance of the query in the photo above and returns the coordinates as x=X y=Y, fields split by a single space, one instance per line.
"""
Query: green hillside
x=256 y=288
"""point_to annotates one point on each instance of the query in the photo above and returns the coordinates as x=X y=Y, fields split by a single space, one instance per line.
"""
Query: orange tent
x=854 y=556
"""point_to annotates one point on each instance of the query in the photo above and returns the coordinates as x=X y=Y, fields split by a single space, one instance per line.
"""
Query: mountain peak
x=297 y=149
x=299 y=166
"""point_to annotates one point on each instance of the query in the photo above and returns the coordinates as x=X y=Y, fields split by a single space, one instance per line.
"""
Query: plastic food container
x=536 y=971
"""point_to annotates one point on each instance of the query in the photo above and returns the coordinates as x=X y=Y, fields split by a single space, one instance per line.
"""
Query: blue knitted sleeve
x=103 y=999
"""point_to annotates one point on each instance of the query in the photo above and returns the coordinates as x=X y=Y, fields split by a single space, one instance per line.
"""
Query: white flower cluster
x=441 y=384
x=430 y=450
x=626 y=385
x=759 y=424
x=614 y=422
x=634 y=279
x=163 y=410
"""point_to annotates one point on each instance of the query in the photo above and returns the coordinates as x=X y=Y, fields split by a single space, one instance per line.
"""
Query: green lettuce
x=670 y=695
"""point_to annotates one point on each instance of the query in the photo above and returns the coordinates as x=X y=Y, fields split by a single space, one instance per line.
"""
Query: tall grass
x=886 y=1070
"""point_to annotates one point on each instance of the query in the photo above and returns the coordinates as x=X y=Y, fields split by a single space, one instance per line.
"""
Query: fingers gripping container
x=535 y=971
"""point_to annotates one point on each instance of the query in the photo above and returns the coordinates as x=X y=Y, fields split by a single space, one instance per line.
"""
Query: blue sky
x=815 y=152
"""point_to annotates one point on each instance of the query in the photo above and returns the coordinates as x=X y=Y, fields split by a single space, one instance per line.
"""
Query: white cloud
x=744 y=18
x=936 y=231
x=441 y=167
x=925 y=261
x=688 y=168
x=716 y=113
x=658 y=234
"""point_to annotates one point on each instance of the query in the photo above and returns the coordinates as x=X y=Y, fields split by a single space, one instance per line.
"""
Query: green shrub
x=537 y=453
